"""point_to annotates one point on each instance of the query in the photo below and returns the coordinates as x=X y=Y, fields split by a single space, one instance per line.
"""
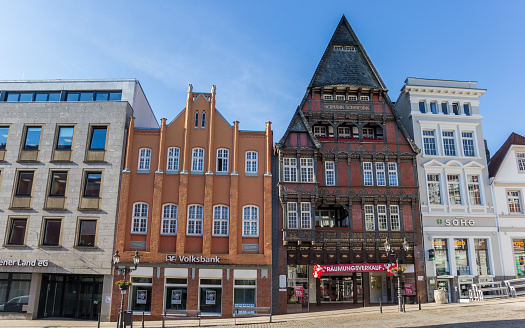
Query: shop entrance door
x=342 y=289
x=444 y=284
x=376 y=289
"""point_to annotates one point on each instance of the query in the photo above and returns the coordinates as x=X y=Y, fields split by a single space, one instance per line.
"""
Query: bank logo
x=439 y=221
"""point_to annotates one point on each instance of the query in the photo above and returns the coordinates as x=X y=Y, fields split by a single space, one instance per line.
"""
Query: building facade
x=196 y=204
x=346 y=184
x=507 y=181
x=61 y=152
x=458 y=217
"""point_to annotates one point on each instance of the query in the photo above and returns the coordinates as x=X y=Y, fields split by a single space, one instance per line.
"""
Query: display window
x=465 y=285
x=297 y=283
x=245 y=293
x=14 y=291
x=461 y=254
x=210 y=296
x=140 y=294
x=482 y=257
x=519 y=256
x=176 y=293
x=441 y=257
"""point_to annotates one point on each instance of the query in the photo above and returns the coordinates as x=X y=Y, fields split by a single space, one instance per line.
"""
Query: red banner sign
x=409 y=288
x=298 y=290
x=319 y=270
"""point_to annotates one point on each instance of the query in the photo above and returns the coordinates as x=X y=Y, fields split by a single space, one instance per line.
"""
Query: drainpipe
x=492 y=191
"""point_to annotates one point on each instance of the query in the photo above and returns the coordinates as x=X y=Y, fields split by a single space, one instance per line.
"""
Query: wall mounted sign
x=191 y=259
x=346 y=107
x=348 y=268
x=250 y=247
x=137 y=244
x=456 y=222
x=34 y=263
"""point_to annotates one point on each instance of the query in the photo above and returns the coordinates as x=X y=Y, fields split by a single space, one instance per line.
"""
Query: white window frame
x=520 y=158
x=139 y=224
x=170 y=214
x=307 y=169
x=338 y=47
x=380 y=174
x=306 y=215
x=195 y=217
x=368 y=132
x=250 y=219
x=430 y=141
x=515 y=199
x=327 y=97
x=395 y=222
x=352 y=98
x=340 y=97
x=221 y=219
x=291 y=215
x=290 y=169
x=144 y=159
x=197 y=160
x=173 y=159
x=382 y=218
x=223 y=155
x=350 y=48
x=251 y=161
x=393 y=179
x=472 y=185
x=342 y=131
x=368 y=174
x=434 y=182
x=452 y=145
x=329 y=167
x=465 y=140
x=454 y=183
x=370 y=224
x=364 y=98
x=320 y=131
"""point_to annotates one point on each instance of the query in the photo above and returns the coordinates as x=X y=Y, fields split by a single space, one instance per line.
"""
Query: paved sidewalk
x=493 y=313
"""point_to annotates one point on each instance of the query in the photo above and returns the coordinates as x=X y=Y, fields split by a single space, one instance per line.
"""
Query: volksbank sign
x=191 y=259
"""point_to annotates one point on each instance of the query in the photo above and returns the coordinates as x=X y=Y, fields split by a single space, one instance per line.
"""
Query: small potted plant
x=397 y=271
x=123 y=284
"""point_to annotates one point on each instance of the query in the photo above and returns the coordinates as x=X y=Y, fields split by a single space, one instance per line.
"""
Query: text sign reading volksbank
x=191 y=259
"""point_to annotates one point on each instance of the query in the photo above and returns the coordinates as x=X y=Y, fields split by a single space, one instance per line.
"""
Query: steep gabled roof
x=499 y=156
x=299 y=124
x=351 y=68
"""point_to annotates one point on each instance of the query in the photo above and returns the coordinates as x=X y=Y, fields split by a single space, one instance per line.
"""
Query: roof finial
x=213 y=88
x=190 y=88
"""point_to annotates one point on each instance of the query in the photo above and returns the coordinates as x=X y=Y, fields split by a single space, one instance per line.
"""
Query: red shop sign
x=298 y=290
x=319 y=270
x=409 y=288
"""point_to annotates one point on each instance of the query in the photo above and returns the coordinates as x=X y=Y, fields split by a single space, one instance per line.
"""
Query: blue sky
x=261 y=55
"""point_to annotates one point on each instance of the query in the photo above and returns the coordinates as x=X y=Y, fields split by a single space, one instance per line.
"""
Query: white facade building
x=507 y=179
x=458 y=220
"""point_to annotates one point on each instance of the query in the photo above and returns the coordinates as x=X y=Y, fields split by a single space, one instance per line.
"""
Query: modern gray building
x=457 y=209
x=61 y=155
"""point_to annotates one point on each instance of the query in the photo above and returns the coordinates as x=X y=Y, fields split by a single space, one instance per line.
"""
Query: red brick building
x=346 y=183
x=195 y=202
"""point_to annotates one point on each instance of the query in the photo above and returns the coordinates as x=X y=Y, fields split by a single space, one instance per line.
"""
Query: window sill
x=139 y=233
x=250 y=236
x=142 y=171
x=8 y=245
x=213 y=235
x=168 y=234
x=85 y=247
x=194 y=235
x=197 y=173
x=250 y=174
x=172 y=172
x=222 y=173
x=50 y=246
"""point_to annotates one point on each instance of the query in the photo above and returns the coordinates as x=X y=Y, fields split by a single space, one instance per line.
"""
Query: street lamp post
x=388 y=248
x=124 y=271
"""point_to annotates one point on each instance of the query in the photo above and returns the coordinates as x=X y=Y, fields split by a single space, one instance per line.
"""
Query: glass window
x=58 y=184
x=290 y=169
x=482 y=256
x=395 y=223
x=13 y=96
x=449 y=145
x=441 y=257
x=87 y=233
x=26 y=96
x=320 y=131
x=17 y=232
x=197 y=160
x=14 y=291
x=368 y=133
x=324 y=218
x=307 y=170
x=461 y=253
x=4 y=133
x=433 y=108
x=429 y=142
x=328 y=97
x=306 y=215
x=466 y=109
x=422 y=107
x=98 y=138
x=330 y=173
x=519 y=156
x=251 y=161
x=141 y=295
x=250 y=221
x=292 y=215
x=176 y=293
x=25 y=183
x=297 y=276
x=244 y=293
x=434 y=189
x=380 y=174
x=144 y=158
x=454 y=194
x=455 y=109
x=519 y=256
x=369 y=217
x=32 y=137
x=203 y=123
x=51 y=235
x=140 y=218
x=173 y=158
x=468 y=143
x=381 y=217
x=102 y=96
x=115 y=96
x=47 y=96
x=367 y=174
x=514 y=200
x=196 y=120
x=221 y=216
x=392 y=174
x=364 y=98
x=195 y=216
x=344 y=132
x=210 y=297
x=473 y=190
x=65 y=137
x=222 y=160
x=169 y=219
x=340 y=97
x=93 y=184
x=444 y=108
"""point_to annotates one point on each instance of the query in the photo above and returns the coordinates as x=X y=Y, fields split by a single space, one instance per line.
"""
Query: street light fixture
x=388 y=249
x=124 y=271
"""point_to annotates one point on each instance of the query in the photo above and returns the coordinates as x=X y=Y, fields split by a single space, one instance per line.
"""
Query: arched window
x=197 y=160
x=222 y=160
x=195 y=216
x=203 y=125
x=221 y=216
x=140 y=218
x=173 y=159
x=144 y=158
x=169 y=219
x=250 y=221
x=251 y=162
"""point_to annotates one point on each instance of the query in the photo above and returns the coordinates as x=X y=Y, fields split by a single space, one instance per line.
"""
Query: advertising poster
x=210 y=297
x=176 y=296
x=142 y=296
x=409 y=288
x=298 y=289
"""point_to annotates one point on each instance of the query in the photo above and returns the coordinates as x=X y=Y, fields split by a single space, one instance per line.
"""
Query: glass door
x=443 y=284
x=376 y=291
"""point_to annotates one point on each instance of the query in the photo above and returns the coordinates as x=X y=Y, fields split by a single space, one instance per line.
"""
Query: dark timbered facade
x=346 y=183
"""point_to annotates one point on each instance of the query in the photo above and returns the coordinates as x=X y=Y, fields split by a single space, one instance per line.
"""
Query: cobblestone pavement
x=494 y=313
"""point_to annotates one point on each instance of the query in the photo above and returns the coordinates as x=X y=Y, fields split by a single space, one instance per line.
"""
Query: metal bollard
x=142 y=319
x=380 y=306
x=404 y=303
x=98 y=324
x=419 y=301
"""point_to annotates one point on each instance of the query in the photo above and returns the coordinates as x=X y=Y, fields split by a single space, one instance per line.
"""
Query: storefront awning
x=319 y=270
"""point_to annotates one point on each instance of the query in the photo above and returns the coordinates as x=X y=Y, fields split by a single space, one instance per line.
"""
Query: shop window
x=87 y=233
x=139 y=224
x=454 y=194
x=176 y=293
x=482 y=257
x=14 y=291
x=245 y=293
x=290 y=169
x=169 y=219
x=395 y=223
x=392 y=174
x=307 y=170
x=210 y=296
x=251 y=162
x=519 y=256
x=52 y=231
x=369 y=217
x=297 y=284
x=222 y=160
x=221 y=217
x=473 y=190
x=250 y=221
x=306 y=215
x=17 y=232
x=197 y=160
x=195 y=217
x=441 y=257
x=144 y=159
x=173 y=159
x=291 y=209
x=461 y=254
x=367 y=174
x=514 y=201
x=141 y=294
x=329 y=173
x=380 y=174
x=434 y=189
